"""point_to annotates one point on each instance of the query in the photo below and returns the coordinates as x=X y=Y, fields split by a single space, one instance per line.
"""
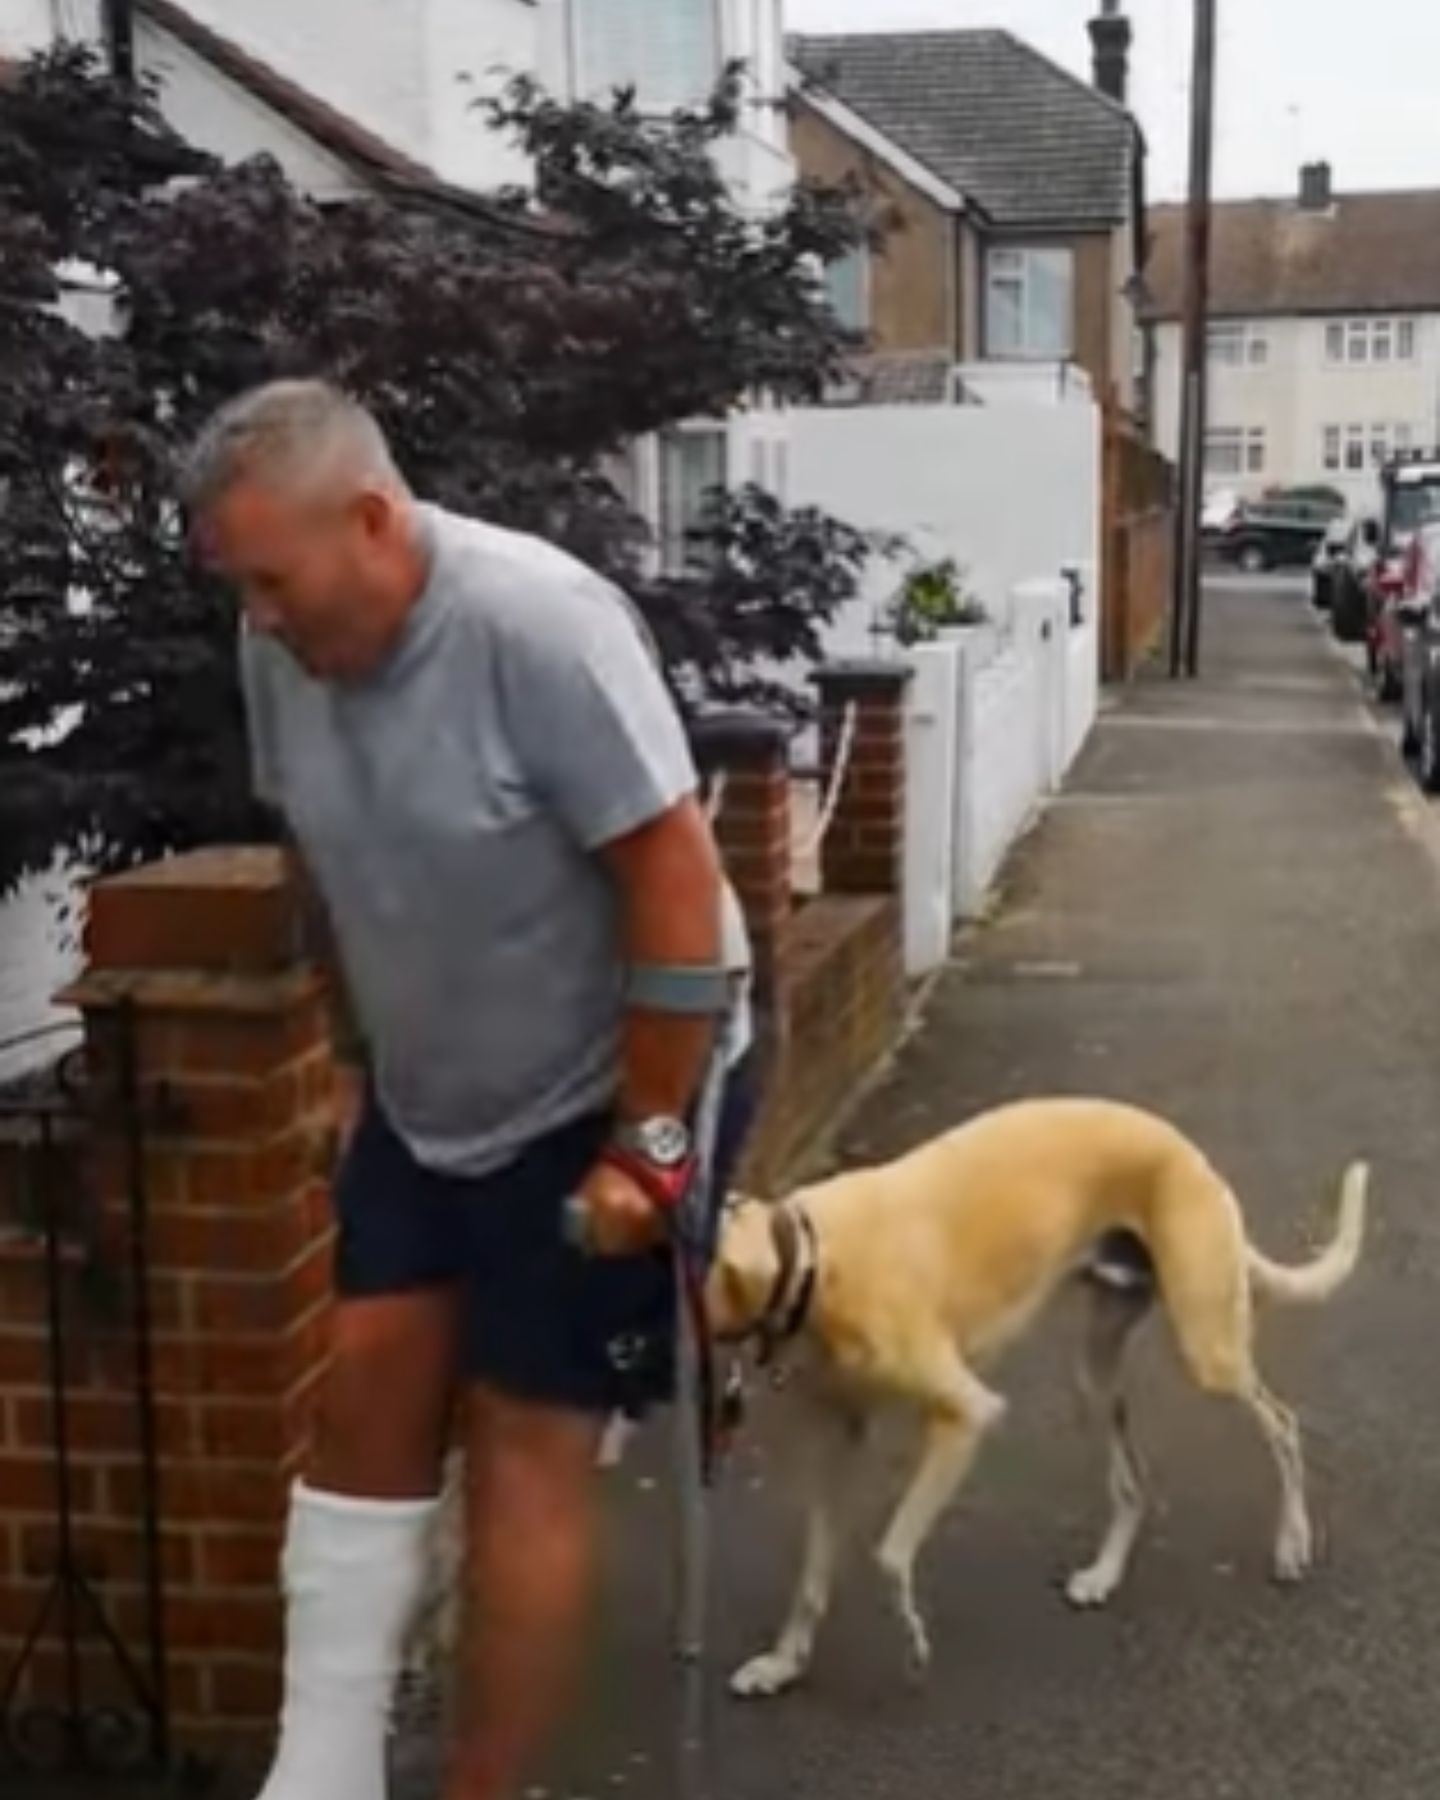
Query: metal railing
x=44 y=1120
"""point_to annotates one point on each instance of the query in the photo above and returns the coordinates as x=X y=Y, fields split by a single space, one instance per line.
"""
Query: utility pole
x=120 y=38
x=1186 y=599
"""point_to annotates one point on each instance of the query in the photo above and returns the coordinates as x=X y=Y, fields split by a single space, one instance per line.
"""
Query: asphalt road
x=1232 y=915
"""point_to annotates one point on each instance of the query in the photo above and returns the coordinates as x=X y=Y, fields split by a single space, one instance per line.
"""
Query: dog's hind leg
x=960 y=1410
x=838 y=1436
x=1294 y=1538
x=1113 y=1318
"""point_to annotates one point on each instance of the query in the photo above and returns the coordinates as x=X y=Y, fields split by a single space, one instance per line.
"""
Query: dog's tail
x=1315 y=1281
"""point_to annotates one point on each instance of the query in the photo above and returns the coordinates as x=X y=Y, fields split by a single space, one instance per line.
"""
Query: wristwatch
x=664 y=1143
x=656 y=1153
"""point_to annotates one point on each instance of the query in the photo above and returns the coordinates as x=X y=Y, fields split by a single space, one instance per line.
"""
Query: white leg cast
x=838 y=1436
x=1112 y=1321
x=963 y=1409
x=354 y=1573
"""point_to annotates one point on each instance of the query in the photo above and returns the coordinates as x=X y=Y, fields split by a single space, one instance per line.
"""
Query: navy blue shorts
x=542 y=1321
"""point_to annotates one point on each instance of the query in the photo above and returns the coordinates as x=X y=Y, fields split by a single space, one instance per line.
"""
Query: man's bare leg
x=388 y=1398
x=532 y=1539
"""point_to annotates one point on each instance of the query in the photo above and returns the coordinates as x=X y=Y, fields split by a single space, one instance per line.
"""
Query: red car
x=1411 y=488
x=1393 y=580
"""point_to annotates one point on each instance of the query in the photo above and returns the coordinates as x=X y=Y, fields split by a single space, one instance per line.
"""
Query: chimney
x=1316 y=194
x=1112 y=35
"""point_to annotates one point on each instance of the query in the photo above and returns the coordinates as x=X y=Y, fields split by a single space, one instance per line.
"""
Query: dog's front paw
x=1294 y=1552
x=1089 y=1589
x=920 y=1656
x=763 y=1677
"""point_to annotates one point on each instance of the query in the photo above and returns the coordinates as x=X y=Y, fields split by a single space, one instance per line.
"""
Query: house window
x=847 y=287
x=694 y=468
x=1030 y=304
x=1366 y=341
x=670 y=55
x=1237 y=345
x=1354 y=448
x=1235 y=450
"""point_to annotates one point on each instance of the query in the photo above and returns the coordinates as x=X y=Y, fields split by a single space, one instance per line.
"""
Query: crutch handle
x=575 y=1224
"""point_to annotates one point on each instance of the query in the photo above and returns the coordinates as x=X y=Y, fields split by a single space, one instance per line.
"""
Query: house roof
x=1032 y=144
x=353 y=143
x=1375 y=252
x=904 y=377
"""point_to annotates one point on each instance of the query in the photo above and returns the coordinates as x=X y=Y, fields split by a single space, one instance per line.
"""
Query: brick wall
x=915 y=284
x=234 y=1068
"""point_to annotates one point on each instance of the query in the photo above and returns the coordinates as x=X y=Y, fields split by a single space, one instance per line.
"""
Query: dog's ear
x=746 y=1268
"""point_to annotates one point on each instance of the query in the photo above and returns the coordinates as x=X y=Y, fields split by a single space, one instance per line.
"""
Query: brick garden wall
x=231 y=1035
x=200 y=958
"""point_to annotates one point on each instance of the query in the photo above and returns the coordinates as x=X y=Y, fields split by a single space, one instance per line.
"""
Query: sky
x=1354 y=82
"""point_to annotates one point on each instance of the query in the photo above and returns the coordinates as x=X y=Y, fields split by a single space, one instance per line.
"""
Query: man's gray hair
x=293 y=435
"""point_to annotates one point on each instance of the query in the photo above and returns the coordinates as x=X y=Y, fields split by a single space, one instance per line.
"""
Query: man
x=486 y=780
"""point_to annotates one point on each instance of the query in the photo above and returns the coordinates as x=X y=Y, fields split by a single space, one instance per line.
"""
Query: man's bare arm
x=670 y=883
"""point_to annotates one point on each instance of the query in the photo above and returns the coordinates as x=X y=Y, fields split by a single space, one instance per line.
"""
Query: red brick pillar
x=749 y=752
x=864 y=850
x=198 y=959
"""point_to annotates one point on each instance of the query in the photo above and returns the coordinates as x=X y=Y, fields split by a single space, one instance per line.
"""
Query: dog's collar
x=792 y=1298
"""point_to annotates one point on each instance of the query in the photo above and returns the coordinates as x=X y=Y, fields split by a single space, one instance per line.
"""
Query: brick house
x=1014 y=196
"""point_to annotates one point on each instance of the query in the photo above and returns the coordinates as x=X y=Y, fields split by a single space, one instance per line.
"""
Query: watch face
x=664 y=1142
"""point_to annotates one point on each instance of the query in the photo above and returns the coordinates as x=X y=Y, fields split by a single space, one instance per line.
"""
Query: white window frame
x=1352 y=448
x=680 y=513
x=1369 y=342
x=1234 y=450
x=1015 y=263
x=1238 y=344
x=595 y=74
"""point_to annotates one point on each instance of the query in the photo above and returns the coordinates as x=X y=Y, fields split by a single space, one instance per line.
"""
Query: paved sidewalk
x=1233 y=915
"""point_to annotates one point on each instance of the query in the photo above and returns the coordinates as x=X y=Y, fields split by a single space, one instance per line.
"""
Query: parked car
x=1221 y=506
x=1275 y=534
x=1419 y=619
x=1350 y=574
x=1323 y=566
x=1331 y=499
x=1410 y=489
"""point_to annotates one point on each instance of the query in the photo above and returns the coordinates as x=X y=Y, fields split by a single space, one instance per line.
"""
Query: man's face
x=315 y=574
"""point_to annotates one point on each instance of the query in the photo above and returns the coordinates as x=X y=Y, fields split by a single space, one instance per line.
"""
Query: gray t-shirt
x=449 y=808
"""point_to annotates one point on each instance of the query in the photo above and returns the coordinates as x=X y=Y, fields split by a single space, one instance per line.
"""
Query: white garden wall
x=1012 y=493
x=38 y=954
x=994 y=721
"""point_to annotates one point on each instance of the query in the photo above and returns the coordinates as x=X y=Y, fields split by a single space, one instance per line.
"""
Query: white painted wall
x=368 y=58
x=37 y=956
x=993 y=724
x=412 y=70
x=220 y=116
x=473 y=48
x=1297 y=393
x=1012 y=493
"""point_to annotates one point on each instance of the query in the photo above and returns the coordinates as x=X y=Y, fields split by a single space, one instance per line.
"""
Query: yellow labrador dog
x=906 y=1282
